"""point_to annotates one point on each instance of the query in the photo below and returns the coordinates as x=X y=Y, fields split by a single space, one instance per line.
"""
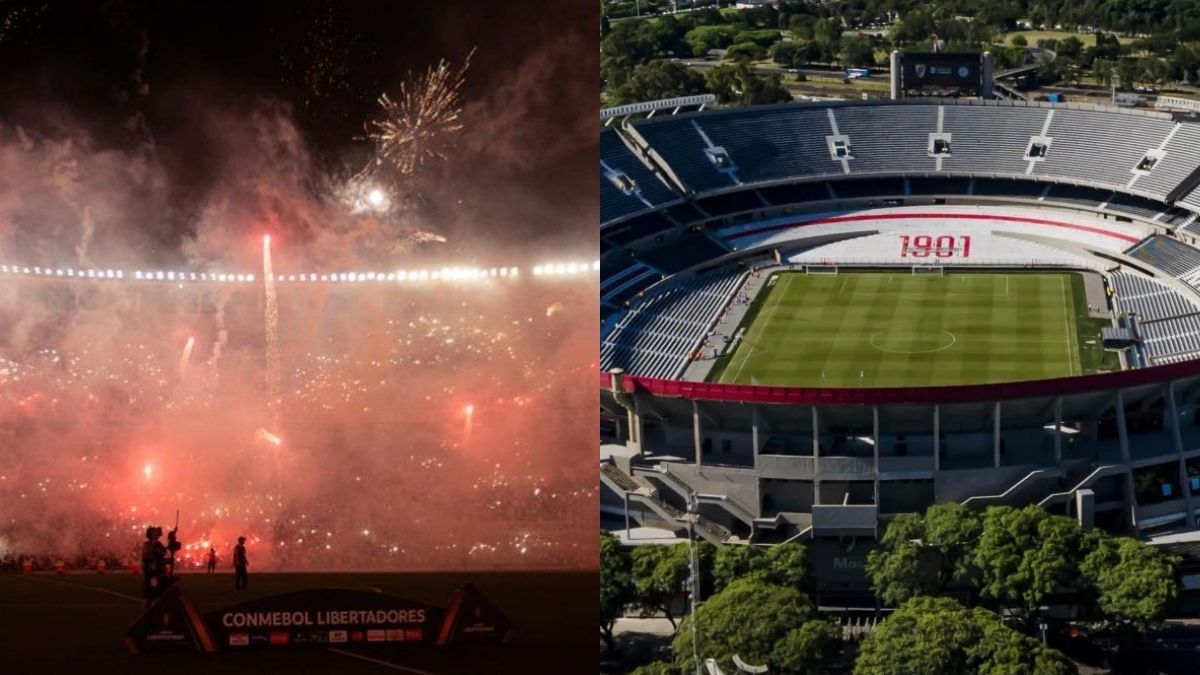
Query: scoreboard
x=941 y=72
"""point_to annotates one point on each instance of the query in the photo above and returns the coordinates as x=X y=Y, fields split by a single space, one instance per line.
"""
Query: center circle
x=913 y=342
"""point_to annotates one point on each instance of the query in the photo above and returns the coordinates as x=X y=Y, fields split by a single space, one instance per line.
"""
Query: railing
x=982 y=500
x=1098 y=473
x=733 y=504
x=786 y=466
x=855 y=466
x=619 y=477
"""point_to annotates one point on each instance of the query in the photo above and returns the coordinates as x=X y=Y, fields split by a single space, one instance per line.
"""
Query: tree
x=736 y=562
x=739 y=84
x=924 y=555
x=616 y=585
x=656 y=668
x=754 y=620
x=1024 y=555
x=934 y=636
x=660 y=574
x=1133 y=582
x=745 y=51
x=1070 y=47
x=1019 y=40
x=703 y=38
x=658 y=80
x=857 y=51
x=806 y=649
x=780 y=565
x=785 y=565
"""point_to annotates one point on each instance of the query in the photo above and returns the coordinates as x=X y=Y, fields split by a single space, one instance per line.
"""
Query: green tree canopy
x=938 y=636
x=924 y=554
x=857 y=51
x=660 y=573
x=739 y=84
x=616 y=585
x=658 y=80
x=1025 y=554
x=745 y=51
x=1133 y=582
x=754 y=620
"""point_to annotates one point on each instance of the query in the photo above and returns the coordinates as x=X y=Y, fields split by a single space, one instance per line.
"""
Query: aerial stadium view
x=297 y=331
x=900 y=330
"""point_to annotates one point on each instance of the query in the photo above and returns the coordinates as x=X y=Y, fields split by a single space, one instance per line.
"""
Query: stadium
x=817 y=316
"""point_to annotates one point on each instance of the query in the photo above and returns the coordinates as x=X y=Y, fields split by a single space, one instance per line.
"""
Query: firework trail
x=222 y=332
x=272 y=331
x=418 y=125
x=186 y=357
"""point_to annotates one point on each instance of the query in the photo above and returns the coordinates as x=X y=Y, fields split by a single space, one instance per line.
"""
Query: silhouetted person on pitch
x=212 y=559
x=240 y=564
x=154 y=566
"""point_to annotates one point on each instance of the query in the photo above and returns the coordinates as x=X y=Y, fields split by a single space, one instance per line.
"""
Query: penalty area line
x=380 y=662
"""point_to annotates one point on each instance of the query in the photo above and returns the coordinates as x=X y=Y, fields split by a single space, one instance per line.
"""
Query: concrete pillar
x=816 y=447
x=875 y=447
x=1130 y=497
x=696 y=437
x=937 y=438
x=1058 y=431
x=636 y=426
x=1177 y=439
x=816 y=436
x=755 y=439
x=1122 y=433
x=897 y=92
x=1085 y=508
x=996 y=434
x=986 y=92
x=875 y=436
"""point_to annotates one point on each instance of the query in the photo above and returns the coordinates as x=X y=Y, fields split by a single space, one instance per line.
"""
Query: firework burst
x=418 y=125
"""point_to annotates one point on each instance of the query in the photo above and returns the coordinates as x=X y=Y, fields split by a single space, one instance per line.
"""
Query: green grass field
x=73 y=623
x=896 y=329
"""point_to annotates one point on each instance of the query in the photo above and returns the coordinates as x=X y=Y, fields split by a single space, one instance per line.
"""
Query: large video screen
x=942 y=71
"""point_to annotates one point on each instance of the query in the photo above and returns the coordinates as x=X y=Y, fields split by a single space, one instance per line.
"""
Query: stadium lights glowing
x=178 y=277
x=566 y=269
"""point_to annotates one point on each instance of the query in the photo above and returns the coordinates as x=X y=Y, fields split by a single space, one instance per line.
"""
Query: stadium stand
x=1095 y=146
x=659 y=336
x=1149 y=298
x=620 y=284
x=1181 y=156
x=617 y=164
x=995 y=142
x=886 y=142
x=1170 y=337
x=1167 y=254
x=1135 y=206
x=684 y=252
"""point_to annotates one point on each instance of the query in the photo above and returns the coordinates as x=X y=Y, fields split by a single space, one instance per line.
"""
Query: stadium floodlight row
x=454 y=274
x=818 y=316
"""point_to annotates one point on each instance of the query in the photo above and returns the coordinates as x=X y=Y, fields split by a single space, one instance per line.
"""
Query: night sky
x=132 y=73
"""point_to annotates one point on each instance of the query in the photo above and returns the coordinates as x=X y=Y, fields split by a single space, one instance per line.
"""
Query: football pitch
x=897 y=329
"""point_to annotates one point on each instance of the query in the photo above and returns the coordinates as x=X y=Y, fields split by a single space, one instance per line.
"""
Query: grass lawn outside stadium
x=897 y=329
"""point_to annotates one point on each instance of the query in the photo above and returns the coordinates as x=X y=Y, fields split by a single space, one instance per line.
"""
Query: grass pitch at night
x=73 y=623
x=897 y=329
